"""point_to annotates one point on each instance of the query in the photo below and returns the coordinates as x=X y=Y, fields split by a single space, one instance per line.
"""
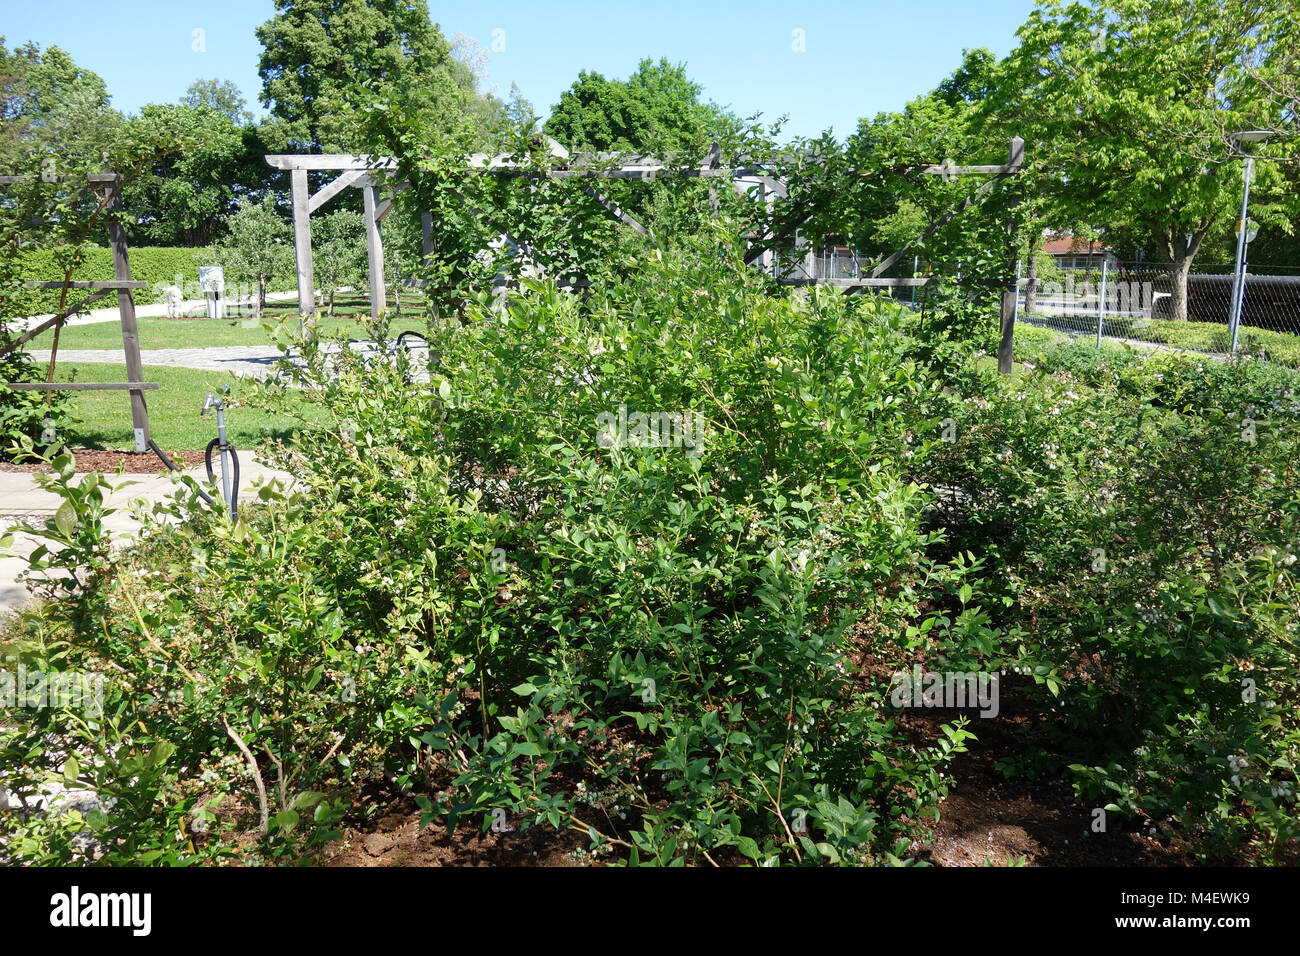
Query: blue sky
x=858 y=58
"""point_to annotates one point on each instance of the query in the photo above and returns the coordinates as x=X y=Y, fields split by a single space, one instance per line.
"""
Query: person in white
x=172 y=296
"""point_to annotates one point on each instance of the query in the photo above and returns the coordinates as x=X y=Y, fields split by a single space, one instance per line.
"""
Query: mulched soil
x=108 y=462
x=990 y=819
x=395 y=839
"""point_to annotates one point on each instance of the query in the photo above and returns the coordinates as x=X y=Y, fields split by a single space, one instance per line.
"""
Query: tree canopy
x=655 y=110
x=1132 y=105
x=324 y=62
x=223 y=96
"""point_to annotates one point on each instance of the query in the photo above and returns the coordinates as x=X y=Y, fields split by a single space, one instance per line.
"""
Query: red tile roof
x=1072 y=246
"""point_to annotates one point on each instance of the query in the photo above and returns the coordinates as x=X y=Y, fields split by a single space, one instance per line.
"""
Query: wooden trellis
x=367 y=173
x=122 y=284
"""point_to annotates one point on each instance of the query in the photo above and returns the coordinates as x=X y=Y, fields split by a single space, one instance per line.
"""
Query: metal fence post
x=1015 y=313
x=1101 y=301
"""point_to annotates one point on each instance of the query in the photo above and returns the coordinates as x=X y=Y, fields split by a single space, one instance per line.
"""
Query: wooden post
x=374 y=250
x=1007 y=344
x=302 y=241
x=426 y=234
x=1008 y=331
x=126 y=312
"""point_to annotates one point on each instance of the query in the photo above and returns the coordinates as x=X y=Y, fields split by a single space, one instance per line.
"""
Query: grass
x=1281 y=347
x=103 y=419
x=197 y=333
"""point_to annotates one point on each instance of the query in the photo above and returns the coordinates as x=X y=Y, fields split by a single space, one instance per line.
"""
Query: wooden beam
x=935 y=226
x=334 y=188
x=865 y=283
x=1007 y=324
x=302 y=241
x=328 y=161
x=80 y=386
x=616 y=211
x=374 y=249
x=92 y=178
x=1015 y=162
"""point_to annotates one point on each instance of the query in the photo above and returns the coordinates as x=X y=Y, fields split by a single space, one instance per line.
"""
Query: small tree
x=339 y=251
x=257 y=248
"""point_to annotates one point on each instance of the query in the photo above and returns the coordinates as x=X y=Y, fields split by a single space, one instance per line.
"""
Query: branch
x=257 y=775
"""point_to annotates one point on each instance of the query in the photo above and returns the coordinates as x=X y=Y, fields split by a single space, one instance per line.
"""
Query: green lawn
x=161 y=333
x=103 y=419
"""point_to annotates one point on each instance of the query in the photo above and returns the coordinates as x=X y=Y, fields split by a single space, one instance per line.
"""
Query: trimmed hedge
x=153 y=264
x=157 y=265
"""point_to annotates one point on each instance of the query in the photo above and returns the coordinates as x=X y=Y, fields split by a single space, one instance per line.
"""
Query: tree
x=324 y=61
x=656 y=110
x=222 y=96
x=258 y=246
x=1132 y=104
x=184 y=198
x=339 y=251
x=52 y=108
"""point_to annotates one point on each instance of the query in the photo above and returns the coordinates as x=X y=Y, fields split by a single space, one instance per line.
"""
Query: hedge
x=157 y=265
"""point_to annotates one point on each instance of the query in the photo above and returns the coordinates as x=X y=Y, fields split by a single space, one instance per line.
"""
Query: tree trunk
x=1031 y=277
x=1178 y=299
x=331 y=311
x=1182 y=250
x=261 y=294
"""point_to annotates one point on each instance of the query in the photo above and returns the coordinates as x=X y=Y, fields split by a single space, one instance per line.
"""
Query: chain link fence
x=1138 y=304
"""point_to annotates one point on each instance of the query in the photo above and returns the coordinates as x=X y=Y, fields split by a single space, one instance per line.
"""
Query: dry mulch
x=109 y=461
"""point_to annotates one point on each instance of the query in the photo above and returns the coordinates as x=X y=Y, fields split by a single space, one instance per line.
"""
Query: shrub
x=492 y=599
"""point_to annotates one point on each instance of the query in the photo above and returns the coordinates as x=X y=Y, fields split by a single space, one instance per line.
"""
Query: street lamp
x=1243 y=230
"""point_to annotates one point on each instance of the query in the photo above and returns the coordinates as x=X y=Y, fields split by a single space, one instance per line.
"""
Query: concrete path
x=256 y=361
x=22 y=498
x=110 y=314
x=243 y=360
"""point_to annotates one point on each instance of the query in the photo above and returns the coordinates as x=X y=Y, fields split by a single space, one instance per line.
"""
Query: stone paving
x=243 y=360
x=21 y=498
x=255 y=361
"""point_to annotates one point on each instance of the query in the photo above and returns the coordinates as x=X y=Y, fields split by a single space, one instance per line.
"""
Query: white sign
x=212 y=279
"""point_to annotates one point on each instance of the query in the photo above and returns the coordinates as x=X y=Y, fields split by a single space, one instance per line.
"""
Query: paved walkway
x=244 y=360
x=256 y=361
x=110 y=314
x=22 y=498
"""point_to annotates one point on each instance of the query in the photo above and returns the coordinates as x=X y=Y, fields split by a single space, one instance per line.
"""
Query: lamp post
x=1243 y=227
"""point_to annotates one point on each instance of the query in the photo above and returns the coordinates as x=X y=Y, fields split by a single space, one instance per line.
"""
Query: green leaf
x=161 y=752
x=308 y=798
x=65 y=519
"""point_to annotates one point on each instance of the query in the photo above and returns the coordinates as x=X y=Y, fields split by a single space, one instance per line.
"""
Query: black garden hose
x=402 y=336
x=234 y=484
x=171 y=466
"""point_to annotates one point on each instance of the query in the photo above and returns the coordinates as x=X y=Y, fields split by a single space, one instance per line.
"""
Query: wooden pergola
x=368 y=173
